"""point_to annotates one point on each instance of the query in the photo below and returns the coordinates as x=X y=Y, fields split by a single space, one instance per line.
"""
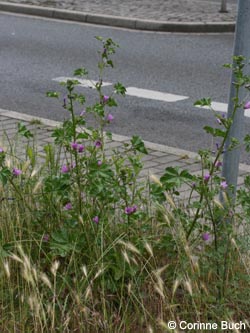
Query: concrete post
x=223 y=8
x=231 y=159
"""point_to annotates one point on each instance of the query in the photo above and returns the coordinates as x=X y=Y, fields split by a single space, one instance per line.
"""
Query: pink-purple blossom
x=98 y=144
x=218 y=164
x=74 y=145
x=247 y=105
x=46 y=238
x=68 y=206
x=65 y=168
x=82 y=113
x=99 y=162
x=80 y=148
x=105 y=99
x=223 y=185
x=207 y=176
x=206 y=236
x=130 y=209
x=16 y=172
x=95 y=219
x=110 y=117
x=1 y=150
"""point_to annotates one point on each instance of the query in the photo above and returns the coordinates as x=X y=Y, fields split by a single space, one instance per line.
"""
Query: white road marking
x=84 y=83
x=223 y=107
x=153 y=94
x=216 y=106
x=247 y=113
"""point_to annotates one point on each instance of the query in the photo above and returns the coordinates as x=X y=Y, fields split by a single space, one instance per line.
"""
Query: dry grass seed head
x=55 y=267
x=156 y=180
x=149 y=249
x=6 y=268
x=46 y=280
x=187 y=284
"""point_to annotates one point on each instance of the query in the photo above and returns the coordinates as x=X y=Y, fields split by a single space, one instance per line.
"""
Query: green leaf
x=174 y=178
x=138 y=144
x=119 y=89
x=81 y=72
x=22 y=130
x=99 y=38
x=203 y=102
x=111 y=102
x=247 y=142
x=110 y=63
x=53 y=94
x=216 y=132
x=80 y=98
x=5 y=174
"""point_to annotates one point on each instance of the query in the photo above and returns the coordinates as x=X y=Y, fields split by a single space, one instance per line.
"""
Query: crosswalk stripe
x=150 y=94
x=155 y=95
x=216 y=106
x=83 y=82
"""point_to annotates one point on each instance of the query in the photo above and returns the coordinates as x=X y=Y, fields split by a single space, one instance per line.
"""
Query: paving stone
x=160 y=10
x=168 y=159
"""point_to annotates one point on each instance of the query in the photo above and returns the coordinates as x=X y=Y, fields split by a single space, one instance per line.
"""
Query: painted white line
x=216 y=106
x=83 y=82
x=153 y=94
x=247 y=113
x=222 y=107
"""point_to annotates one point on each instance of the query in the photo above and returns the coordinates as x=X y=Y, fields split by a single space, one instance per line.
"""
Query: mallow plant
x=207 y=227
x=86 y=245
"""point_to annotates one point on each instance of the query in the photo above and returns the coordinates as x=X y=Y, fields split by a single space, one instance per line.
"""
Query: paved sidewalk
x=163 y=15
x=159 y=157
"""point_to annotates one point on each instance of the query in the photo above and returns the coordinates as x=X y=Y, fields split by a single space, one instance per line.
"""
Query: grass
x=61 y=272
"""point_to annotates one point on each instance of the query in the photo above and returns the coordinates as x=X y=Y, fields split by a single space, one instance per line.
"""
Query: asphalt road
x=34 y=51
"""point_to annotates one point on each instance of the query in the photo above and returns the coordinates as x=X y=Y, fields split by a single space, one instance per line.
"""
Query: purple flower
x=98 y=144
x=96 y=219
x=218 y=164
x=104 y=52
x=207 y=176
x=82 y=113
x=74 y=145
x=65 y=168
x=218 y=121
x=99 y=162
x=223 y=185
x=1 y=150
x=130 y=210
x=68 y=206
x=247 y=105
x=110 y=117
x=206 y=236
x=17 y=172
x=80 y=148
x=45 y=238
x=105 y=99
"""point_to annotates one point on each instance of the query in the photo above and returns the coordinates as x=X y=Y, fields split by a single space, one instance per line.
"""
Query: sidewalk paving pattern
x=159 y=15
x=159 y=10
x=159 y=158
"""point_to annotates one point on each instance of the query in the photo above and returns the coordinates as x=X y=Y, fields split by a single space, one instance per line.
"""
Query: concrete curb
x=117 y=21
x=181 y=153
